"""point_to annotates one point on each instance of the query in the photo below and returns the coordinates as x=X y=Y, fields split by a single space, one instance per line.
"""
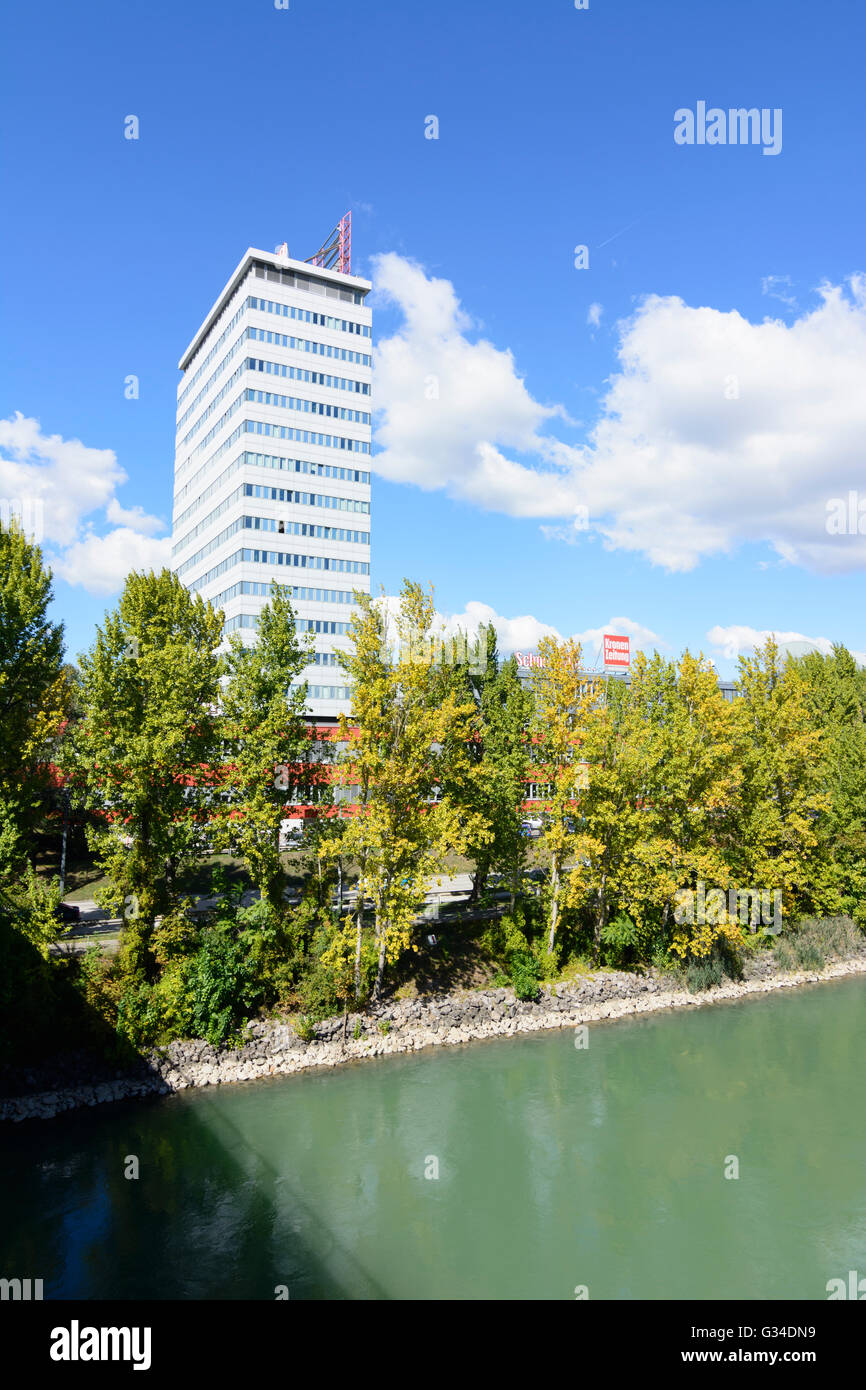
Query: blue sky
x=706 y=509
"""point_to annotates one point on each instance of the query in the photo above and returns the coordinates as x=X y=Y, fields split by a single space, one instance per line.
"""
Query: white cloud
x=593 y=317
x=714 y=432
x=779 y=287
x=642 y=638
x=69 y=478
x=448 y=407
x=719 y=431
x=136 y=518
x=523 y=633
x=100 y=564
x=520 y=634
x=731 y=641
x=73 y=484
x=570 y=534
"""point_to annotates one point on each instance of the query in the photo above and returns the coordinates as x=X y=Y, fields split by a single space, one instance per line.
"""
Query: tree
x=685 y=776
x=499 y=752
x=775 y=842
x=835 y=691
x=563 y=699
x=33 y=692
x=266 y=744
x=405 y=821
x=145 y=744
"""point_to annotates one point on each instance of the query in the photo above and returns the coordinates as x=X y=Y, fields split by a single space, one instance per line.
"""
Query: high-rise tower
x=272 y=459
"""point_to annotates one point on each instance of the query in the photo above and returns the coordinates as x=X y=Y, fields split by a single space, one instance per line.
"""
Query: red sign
x=616 y=650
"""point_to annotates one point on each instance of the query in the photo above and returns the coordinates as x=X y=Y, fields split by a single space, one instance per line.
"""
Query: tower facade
x=272 y=455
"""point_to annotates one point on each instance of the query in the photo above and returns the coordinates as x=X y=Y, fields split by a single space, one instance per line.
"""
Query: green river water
x=557 y=1168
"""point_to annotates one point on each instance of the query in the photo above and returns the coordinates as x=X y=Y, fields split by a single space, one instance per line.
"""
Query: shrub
x=809 y=944
x=221 y=990
x=305 y=1027
x=704 y=974
x=525 y=975
x=384 y=1026
x=619 y=937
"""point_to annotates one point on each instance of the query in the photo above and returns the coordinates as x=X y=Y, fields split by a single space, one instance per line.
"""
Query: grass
x=810 y=944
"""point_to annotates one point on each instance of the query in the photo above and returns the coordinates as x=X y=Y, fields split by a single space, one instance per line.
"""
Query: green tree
x=775 y=841
x=34 y=693
x=267 y=747
x=563 y=700
x=836 y=699
x=145 y=745
x=405 y=822
x=499 y=752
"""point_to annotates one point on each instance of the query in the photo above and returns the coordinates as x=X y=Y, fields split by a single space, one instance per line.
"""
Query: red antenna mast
x=336 y=253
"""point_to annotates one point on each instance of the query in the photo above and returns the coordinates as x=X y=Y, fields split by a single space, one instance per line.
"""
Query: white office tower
x=272 y=461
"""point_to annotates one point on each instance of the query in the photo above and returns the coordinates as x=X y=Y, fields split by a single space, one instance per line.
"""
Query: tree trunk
x=600 y=919
x=63 y=845
x=515 y=879
x=380 y=967
x=359 y=927
x=554 y=901
x=479 y=881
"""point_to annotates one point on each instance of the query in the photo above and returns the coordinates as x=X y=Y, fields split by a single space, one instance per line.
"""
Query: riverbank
x=272 y=1048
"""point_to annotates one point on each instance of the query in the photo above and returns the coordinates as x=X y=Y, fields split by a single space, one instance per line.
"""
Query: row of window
x=193 y=484
x=336 y=383
x=214 y=376
x=268 y=523
x=329 y=692
x=305 y=528
x=268 y=306
x=341 y=354
x=246 y=459
x=181 y=469
x=325 y=441
x=312 y=562
x=256 y=364
x=250 y=620
x=270 y=494
x=266 y=335
x=335 y=412
x=315 y=470
x=307 y=499
x=310 y=284
x=275 y=557
x=298 y=592
x=539 y=791
x=220 y=396
x=205 y=363
x=288 y=311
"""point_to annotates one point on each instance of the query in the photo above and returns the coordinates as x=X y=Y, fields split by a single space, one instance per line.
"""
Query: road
x=96 y=924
